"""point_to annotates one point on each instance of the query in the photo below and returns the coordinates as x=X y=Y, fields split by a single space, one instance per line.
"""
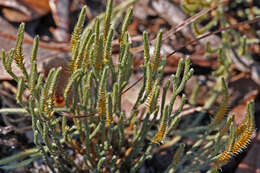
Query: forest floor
x=54 y=25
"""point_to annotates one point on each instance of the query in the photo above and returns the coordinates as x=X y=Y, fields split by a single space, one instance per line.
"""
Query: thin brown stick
x=176 y=29
x=48 y=45
x=81 y=116
x=131 y=86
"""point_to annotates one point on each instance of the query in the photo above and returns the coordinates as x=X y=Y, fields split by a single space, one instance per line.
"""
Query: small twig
x=138 y=80
x=176 y=29
x=48 y=45
x=81 y=116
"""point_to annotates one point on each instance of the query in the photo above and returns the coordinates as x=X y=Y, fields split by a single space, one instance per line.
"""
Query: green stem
x=24 y=111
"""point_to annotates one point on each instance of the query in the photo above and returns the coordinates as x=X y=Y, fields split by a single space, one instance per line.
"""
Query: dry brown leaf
x=24 y=10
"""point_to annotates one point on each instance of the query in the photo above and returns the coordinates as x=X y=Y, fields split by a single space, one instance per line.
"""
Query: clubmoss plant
x=92 y=133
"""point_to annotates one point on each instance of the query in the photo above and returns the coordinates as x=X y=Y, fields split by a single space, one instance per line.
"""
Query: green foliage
x=100 y=131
